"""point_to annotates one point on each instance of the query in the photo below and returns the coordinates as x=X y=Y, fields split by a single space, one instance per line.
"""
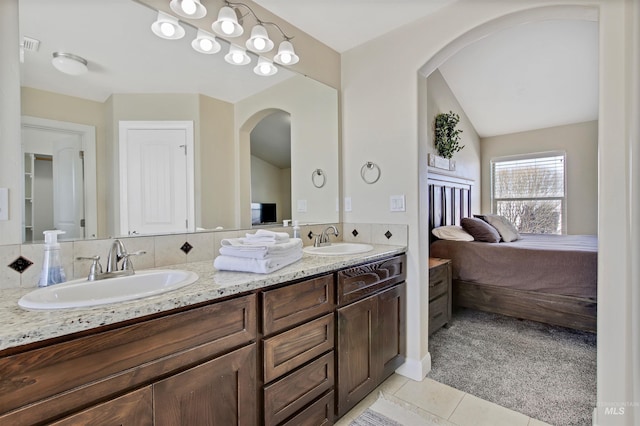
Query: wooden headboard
x=449 y=200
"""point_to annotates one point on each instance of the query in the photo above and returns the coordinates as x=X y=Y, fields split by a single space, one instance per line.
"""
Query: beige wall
x=268 y=186
x=440 y=99
x=215 y=155
x=580 y=142
x=314 y=144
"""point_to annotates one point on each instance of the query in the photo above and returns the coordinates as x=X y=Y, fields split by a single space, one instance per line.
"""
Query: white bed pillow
x=505 y=228
x=452 y=233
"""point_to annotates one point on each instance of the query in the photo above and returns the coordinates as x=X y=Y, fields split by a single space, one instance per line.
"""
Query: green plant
x=447 y=137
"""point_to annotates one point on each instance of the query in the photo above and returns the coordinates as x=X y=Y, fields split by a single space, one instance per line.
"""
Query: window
x=530 y=191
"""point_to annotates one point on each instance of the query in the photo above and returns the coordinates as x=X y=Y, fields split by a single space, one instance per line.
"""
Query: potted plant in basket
x=446 y=136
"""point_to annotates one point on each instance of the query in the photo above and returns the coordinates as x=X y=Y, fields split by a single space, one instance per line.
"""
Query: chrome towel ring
x=318 y=178
x=372 y=170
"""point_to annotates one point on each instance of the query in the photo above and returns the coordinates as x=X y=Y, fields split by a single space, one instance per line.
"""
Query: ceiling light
x=286 y=54
x=188 y=8
x=259 y=40
x=69 y=63
x=237 y=56
x=166 y=26
x=265 y=67
x=227 y=23
x=205 y=43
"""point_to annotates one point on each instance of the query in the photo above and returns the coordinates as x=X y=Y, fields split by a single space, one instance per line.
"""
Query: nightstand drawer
x=438 y=313
x=438 y=281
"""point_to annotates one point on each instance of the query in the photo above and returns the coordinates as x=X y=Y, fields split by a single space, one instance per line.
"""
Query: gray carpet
x=542 y=371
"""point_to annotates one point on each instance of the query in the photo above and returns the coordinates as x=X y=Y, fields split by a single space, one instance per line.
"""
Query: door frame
x=123 y=127
x=87 y=135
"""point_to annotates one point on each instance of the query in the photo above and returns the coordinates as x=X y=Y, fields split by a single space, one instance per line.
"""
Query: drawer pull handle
x=439 y=314
x=435 y=284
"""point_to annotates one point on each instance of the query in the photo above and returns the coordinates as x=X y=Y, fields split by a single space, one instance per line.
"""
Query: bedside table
x=439 y=293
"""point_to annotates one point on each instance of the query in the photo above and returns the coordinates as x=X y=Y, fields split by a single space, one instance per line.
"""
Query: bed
x=545 y=278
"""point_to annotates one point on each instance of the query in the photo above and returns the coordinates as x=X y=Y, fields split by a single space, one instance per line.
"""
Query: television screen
x=263 y=213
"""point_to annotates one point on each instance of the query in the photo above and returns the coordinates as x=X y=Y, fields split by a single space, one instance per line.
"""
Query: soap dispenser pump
x=52 y=272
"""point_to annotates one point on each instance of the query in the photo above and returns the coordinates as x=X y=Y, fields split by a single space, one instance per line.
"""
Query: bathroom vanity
x=297 y=347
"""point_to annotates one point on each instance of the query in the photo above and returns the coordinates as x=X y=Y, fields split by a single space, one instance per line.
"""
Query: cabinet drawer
x=294 y=304
x=438 y=281
x=438 y=313
x=320 y=413
x=286 y=396
x=289 y=350
x=360 y=281
x=86 y=369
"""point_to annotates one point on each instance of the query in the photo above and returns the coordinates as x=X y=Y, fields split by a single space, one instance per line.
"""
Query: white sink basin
x=339 y=249
x=82 y=293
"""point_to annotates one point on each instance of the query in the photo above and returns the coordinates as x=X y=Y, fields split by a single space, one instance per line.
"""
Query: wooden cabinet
x=218 y=392
x=298 y=357
x=439 y=293
x=292 y=354
x=51 y=382
x=371 y=341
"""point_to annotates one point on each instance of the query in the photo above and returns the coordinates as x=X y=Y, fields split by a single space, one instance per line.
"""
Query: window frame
x=531 y=156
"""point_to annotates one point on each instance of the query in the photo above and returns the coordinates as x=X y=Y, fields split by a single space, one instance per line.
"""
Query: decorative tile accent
x=354 y=232
x=310 y=235
x=388 y=234
x=21 y=264
x=186 y=247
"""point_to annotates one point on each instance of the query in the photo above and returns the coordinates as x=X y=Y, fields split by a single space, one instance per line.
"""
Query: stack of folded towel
x=262 y=252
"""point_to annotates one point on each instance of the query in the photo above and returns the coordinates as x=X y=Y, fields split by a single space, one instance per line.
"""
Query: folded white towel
x=263 y=235
x=259 y=266
x=263 y=251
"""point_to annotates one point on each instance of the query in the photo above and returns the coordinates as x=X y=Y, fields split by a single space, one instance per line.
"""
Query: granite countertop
x=20 y=327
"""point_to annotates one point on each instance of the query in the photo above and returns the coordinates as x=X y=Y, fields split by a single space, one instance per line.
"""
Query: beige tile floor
x=442 y=404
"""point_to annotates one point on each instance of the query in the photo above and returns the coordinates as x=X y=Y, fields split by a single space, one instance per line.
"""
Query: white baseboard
x=415 y=369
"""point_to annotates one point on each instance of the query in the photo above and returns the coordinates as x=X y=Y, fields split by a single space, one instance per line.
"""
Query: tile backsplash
x=165 y=250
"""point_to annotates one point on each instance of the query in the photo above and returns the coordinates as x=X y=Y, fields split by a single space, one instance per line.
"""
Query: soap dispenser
x=296 y=229
x=52 y=272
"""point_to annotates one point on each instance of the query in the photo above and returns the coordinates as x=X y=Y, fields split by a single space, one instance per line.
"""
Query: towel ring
x=370 y=166
x=318 y=183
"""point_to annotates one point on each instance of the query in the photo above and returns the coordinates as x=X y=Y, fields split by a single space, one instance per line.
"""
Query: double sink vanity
x=299 y=346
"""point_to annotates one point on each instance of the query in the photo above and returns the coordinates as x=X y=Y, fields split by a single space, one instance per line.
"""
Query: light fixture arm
x=261 y=22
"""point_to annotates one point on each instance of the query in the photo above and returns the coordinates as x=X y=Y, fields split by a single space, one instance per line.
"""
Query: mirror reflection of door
x=156 y=177
x=271 y=169
x=54 y=182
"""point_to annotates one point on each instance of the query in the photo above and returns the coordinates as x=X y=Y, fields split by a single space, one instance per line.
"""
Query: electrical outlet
x=302 y=206
x=4 y=203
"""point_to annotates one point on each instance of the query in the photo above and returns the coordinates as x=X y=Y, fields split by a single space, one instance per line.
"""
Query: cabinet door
x=132 y=409
x=219 y=392
x=391 y=329
x=358 y=360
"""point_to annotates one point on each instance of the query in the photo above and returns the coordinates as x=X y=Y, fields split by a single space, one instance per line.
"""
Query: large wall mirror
x=136 y=77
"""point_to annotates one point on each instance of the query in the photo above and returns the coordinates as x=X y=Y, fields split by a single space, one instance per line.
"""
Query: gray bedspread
x=557 y=264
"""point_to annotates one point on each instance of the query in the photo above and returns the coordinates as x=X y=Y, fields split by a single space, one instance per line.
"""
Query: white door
x=68 y=186
x=157 y=183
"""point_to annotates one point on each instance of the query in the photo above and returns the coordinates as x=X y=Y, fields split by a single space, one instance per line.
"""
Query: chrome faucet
x=323 y=238
x=117 y=253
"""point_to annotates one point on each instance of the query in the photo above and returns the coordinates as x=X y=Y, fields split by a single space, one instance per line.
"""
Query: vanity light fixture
x=69 y=63
x=205 y=43
x=286 y=55
x=259 y=40
x=188 y=8
x=166 y=26
x=265 y=67
x=227 y=23
x=237 y=56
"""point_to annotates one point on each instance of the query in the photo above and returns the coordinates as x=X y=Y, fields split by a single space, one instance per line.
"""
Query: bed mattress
x=555 y=264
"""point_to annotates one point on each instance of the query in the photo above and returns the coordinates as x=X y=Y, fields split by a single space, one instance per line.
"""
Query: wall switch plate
x=347 y=204
x=4 y=203
x=302 y=206
x=396 y=203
